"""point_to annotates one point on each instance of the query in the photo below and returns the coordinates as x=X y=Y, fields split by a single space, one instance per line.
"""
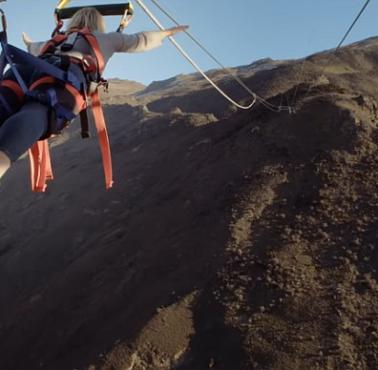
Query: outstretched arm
x=145 y=41
x=32 y=47
x=172 y=31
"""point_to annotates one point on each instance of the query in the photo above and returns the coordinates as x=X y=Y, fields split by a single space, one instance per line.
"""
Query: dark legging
x=29 y=120
x=22 y=129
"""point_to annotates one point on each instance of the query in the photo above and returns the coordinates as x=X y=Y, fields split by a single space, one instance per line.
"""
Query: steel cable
x=195 y=65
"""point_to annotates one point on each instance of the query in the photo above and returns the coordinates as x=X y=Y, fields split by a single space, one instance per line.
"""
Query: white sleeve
x=35 y=47
x=142 y=41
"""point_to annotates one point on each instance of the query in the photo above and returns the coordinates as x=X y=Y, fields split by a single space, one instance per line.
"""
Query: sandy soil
x=231 y=240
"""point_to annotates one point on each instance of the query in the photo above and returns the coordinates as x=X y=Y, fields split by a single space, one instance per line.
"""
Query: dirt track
x=231 y=241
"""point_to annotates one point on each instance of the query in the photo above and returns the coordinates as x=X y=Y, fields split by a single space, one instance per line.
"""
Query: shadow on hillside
x=159 y=235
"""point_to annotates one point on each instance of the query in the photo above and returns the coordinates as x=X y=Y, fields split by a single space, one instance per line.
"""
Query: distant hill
x=121 y=91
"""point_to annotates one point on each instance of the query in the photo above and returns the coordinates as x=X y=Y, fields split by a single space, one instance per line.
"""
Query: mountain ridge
x=231 y=239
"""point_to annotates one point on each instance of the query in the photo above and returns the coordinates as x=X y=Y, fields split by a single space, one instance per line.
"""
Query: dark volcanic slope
x=231 y=240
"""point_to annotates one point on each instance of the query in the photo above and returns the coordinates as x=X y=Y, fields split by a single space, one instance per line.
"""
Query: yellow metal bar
x=62 y=4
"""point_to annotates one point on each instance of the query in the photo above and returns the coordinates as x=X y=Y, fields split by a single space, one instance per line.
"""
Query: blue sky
x=238 y=32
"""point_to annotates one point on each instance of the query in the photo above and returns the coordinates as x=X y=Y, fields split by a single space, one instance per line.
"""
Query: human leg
x=10 y=102
x=32 y=122
x=20 y=131
x=11 y=94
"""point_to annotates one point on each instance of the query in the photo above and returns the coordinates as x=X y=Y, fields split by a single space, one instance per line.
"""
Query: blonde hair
x=89 y=18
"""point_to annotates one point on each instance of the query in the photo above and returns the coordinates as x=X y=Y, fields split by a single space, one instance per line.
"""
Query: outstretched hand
x=26 y=39
x=172 y=31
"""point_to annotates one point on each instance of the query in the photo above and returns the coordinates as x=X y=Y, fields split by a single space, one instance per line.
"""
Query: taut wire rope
x=353 y=24
x=195 y=65
x=339 y=45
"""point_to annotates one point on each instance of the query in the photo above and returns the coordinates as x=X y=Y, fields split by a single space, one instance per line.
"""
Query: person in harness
x=35 y=105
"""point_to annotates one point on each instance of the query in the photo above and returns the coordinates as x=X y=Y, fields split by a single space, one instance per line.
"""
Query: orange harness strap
x=40 y=161
x=103 y=138
x=92 y=41
x=40 y=165
x=88 y=36
x=41 y=81
x=57 y=39
x=79 y=99
x=14 y=86
x=39 y=154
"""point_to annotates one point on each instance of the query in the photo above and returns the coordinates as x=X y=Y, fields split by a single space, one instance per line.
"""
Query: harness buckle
x=105 y=84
